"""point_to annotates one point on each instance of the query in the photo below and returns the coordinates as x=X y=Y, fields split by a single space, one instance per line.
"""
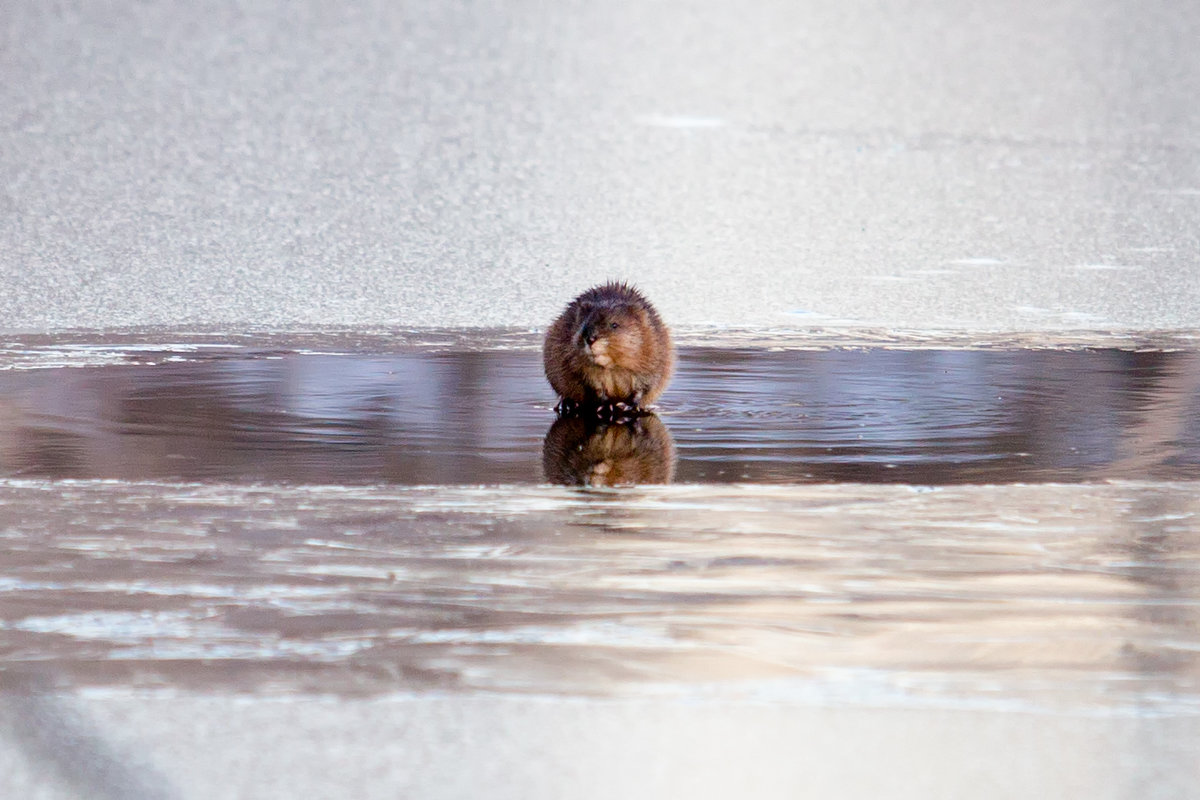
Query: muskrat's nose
x=588 y=333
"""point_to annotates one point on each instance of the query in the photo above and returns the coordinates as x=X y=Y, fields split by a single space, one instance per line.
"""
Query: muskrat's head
x=610 y=332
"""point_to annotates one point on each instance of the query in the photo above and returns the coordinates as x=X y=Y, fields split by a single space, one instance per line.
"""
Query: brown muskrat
x=609 y=348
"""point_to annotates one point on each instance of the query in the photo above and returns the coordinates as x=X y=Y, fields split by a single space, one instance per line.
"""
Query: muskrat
x=609 y=348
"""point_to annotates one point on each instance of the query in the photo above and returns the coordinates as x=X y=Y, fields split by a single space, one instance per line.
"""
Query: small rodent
x=608 y=348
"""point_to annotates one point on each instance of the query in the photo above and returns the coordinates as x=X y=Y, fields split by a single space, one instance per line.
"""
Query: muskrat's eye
x=613 y=325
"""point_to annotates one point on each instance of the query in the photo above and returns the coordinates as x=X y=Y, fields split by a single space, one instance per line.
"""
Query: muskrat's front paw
x=617 y=411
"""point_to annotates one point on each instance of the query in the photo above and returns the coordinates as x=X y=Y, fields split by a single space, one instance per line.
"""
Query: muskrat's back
x=609 y=346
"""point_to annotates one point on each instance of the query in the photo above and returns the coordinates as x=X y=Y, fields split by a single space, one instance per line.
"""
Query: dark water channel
x=870 y=415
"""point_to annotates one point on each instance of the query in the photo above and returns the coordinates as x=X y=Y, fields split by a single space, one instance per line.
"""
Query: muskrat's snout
x=593 y=326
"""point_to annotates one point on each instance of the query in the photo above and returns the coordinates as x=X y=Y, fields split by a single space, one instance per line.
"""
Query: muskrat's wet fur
x=608 y=346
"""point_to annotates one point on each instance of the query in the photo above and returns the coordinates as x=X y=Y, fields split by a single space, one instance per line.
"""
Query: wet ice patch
x=681 y=121
x=817 y=317
x=116 y=626
x=1072 y=318
x=977 y=261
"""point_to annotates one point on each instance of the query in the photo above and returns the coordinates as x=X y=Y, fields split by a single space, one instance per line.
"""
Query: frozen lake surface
x=1027 y=167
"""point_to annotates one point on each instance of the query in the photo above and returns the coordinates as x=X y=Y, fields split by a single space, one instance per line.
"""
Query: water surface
x=483 y=417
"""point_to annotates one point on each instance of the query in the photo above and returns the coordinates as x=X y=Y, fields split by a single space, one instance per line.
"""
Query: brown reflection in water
x=1157 y=531
x=45 y=451
x=1163 y=410
x=580 y=452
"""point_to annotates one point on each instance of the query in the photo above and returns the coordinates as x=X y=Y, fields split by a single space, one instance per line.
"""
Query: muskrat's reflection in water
x=581 y=452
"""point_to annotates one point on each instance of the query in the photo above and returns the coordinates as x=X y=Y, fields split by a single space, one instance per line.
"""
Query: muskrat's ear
x=639 y=313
